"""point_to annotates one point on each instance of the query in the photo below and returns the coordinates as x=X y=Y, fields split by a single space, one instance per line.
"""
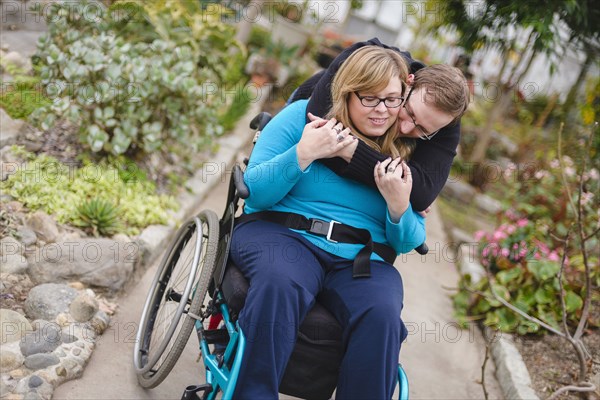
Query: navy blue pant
x=286 y=272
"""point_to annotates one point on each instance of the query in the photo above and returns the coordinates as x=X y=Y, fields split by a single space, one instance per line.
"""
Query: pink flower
x=511 y=215
x=479 y=235
x=569 y=171
x=522 y=222
x=499 y=235
x=586 y=197
x=553 y=256
x=504 y=252
x=510 y=229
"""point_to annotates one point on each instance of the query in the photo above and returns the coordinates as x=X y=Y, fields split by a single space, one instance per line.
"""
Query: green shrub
x=43 y=183
x=23 y=95
x=524 y=254
x=98 y=216
x=237 y=109
x=135 y=81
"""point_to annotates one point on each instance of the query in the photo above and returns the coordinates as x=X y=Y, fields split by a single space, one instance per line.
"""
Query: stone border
x=511 y=371
x=74 y=342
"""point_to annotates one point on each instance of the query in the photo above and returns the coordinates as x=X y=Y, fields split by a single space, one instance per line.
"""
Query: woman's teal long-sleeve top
x=277 y=183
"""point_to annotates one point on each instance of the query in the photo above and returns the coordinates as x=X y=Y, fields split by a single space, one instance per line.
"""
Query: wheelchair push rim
x=162 y=332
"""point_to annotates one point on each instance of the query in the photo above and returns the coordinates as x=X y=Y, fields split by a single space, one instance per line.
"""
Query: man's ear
x=410 y=79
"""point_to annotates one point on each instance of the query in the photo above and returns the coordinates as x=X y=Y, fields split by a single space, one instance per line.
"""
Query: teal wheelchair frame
x=195 y=288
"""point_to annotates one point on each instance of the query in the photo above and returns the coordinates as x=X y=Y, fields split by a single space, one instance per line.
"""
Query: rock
x=35 y=381
x=14 y=207
x=459 y=236
x=121 y=237
x=488 y=204
x=511 y=371
x=44 y=226
x=47 y=300
x=18 y=373
x=76 y=351
x=7 y=385
x=16 y=59
x=41 y=360
x=459 y=190
x=151 y=239
x=60 y=352
x=64 y=319
x=468 y=262
x=12 y=257
x=10 y=245
x=27 y=235
x=92 y=261
x=68 y=338
x=100 y=322
x=5 y=198
x=13 y=264
x=36 y=342
x=45 y=326
x=10 y=129
x=83 y=308
x=13 y=326
x=77 y=285
x=10 y=360
x=32 y=396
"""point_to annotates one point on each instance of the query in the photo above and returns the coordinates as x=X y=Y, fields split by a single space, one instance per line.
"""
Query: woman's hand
x=394 y=181
x=322 y=139
x=347 y=152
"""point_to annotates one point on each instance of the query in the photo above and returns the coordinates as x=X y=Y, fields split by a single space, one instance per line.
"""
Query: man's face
x=417 y=119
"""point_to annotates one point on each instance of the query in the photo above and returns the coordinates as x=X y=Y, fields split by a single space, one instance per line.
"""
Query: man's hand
x=322 y=139
x=424 y=212
x=394 y=181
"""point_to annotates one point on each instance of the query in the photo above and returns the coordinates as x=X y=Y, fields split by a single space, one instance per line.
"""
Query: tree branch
x=583 y=387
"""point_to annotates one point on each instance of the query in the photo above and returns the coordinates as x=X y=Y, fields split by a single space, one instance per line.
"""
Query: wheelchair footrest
x=191 y=392
x=216 y=336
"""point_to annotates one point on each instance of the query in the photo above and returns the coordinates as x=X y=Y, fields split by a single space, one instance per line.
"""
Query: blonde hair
x=445 y=88
x=370 y=69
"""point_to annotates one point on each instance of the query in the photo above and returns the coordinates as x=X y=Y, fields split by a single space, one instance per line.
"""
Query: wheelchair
x=197 y=288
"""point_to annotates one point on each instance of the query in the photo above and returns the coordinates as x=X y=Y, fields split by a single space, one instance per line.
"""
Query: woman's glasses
x=372 y=101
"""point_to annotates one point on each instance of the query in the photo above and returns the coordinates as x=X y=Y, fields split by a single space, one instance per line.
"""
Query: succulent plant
x=99 y=217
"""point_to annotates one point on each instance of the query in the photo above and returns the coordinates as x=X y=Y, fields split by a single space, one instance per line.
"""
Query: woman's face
x=375 y=121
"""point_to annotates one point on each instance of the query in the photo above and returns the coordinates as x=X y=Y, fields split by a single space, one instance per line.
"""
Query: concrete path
x=442 y=362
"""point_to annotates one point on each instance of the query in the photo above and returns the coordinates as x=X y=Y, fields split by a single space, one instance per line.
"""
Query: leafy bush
x=23 y=95
x=524 y=254
x=43 y=183
x=237 y=109
x=135 y=76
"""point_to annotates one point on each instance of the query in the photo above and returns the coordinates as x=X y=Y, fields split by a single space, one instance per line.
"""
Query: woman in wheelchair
x=306 y=232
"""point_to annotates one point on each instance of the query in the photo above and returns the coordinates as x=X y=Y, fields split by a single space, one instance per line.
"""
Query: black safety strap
x=334 y=232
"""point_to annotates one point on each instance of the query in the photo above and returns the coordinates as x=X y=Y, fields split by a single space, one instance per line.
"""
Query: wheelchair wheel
x=175 y=298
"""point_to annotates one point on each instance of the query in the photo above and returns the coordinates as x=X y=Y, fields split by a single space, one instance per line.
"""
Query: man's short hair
x=445 y=88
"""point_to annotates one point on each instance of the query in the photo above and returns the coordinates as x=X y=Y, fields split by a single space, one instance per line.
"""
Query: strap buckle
x=323 y=228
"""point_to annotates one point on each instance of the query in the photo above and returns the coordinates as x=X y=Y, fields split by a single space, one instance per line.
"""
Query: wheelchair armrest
x=422 y=249
x=259 y=122
x=240 y=185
